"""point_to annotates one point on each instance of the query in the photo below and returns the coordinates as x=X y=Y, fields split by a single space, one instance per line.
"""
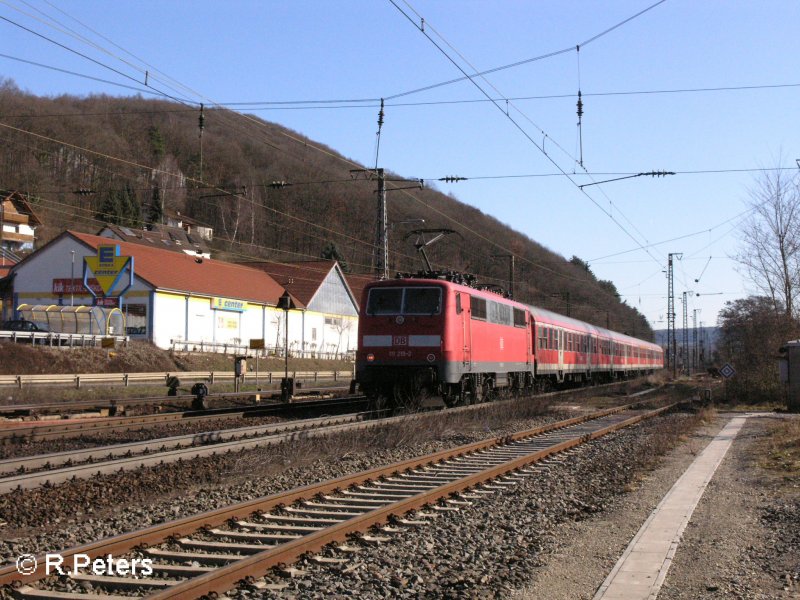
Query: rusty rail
x=224 y=578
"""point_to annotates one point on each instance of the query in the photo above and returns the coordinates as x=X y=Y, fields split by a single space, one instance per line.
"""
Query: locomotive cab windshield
x=404 y=301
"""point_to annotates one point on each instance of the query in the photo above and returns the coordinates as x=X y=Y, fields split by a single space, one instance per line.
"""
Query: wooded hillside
x=268 y=192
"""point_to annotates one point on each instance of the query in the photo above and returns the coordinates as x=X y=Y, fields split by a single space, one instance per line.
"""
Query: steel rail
x=241 y=439
x=134 y=455
x=152 y=400
x=223 y=579
x=205 y=438
x=157 y=534
x=48 y=430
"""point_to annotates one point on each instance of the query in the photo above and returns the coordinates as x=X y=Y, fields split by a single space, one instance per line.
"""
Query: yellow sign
x=107 y=342
x=256 y=344
x=107 y=266
x=229 y=304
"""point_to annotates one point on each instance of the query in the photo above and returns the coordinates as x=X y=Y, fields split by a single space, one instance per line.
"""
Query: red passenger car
x=446 y=339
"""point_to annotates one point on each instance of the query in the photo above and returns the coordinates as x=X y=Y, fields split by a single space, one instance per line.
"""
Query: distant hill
x=709 y=335
x=268 y=192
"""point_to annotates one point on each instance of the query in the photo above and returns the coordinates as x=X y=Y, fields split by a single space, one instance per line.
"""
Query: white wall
x=339 y=334
x=169 y=319
x=33 y=283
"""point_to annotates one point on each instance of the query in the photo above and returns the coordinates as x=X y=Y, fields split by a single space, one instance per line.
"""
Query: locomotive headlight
x=370 y=357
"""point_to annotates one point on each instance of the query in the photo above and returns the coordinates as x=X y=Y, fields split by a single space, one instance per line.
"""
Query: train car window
x=459 y=309
x=384 y=301
x=422 y=301
x=519 y=318
x=569 y=342
x=478 y=308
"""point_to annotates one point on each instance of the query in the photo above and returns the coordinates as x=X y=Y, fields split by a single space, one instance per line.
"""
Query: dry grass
x=137 y=357
x=452 y=426
x=781 y=450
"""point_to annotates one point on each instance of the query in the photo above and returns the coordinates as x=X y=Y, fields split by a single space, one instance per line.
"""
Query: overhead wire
x=305 y=143
x=518 y=126
x=520 y=62
x=84 y=56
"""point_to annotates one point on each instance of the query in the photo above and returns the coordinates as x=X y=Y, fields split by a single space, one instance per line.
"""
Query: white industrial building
x=181 y=300
x=330 y=317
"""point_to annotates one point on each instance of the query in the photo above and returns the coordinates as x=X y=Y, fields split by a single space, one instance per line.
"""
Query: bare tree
x=770 y=252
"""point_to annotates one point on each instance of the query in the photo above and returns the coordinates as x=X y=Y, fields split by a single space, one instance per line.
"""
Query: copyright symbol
x=26 y=564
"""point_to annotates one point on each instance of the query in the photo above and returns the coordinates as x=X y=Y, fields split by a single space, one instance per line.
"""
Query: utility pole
x=685 y=335
x=381 y=250
x=201 y=121
x=696 y=361
x=702 y=356
x=672 y=349
x=510 y=258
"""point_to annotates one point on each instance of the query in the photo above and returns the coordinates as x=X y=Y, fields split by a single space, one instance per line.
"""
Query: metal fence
x=128 y=379
x=182 y=346
x=60 y=340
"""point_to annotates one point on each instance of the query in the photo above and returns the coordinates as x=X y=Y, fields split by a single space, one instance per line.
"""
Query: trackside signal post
x=285 y=303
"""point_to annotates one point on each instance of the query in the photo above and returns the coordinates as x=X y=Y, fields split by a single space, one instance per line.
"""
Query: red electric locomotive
x=437 y=336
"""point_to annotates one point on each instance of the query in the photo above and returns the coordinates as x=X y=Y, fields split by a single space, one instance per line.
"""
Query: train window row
x=548 y=339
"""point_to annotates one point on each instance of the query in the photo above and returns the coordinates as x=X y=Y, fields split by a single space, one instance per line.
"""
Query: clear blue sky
x=269 y=51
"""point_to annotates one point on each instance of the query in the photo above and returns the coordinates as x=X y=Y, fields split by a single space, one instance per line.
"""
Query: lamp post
x=72 y=280
x=285 y=303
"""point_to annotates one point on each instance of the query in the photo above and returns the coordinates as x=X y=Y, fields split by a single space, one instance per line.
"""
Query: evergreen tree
x=331 y=252
x=110 y=209
x=155 y=211
x=131 y=207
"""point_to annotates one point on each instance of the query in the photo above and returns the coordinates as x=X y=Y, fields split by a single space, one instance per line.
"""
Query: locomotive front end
x=400 y=339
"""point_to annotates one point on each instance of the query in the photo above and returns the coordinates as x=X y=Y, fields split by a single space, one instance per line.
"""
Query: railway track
x=11 y=433
x=32 y=431
x=51 y=469
x=178 y=402
x=210 y=552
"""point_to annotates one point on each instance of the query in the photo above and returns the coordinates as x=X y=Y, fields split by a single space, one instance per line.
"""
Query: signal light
x=370 y=357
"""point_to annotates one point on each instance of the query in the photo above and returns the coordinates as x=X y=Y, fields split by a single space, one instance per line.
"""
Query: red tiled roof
x=163 y=237
x=302 y=279
x=167 y=270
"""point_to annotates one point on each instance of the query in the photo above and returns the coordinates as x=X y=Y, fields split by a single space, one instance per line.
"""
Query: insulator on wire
x=202 y=119
x=380 y=116
x=580 y=106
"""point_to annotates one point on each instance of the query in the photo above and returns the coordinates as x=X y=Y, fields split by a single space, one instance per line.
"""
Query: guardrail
x=61 y=340
x=127 y=379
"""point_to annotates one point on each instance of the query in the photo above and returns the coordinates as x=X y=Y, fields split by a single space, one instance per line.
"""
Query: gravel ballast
x=556 y=535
